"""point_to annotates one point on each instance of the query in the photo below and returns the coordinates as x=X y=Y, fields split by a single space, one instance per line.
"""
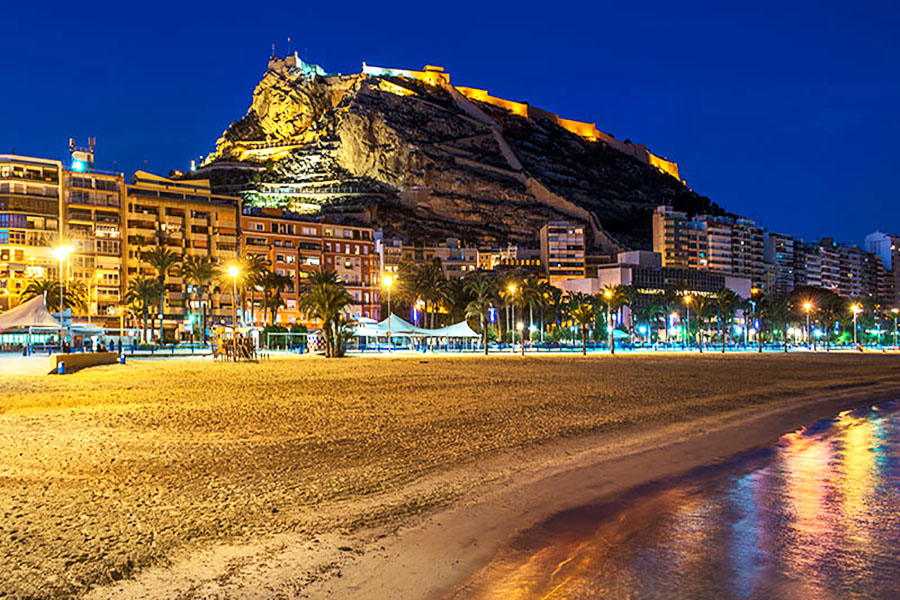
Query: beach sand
x=363 y=477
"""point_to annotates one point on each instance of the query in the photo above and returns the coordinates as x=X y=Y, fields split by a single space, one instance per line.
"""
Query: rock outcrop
x=424 y=162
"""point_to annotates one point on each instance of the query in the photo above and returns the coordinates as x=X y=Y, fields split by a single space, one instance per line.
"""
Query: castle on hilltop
x=436 y=76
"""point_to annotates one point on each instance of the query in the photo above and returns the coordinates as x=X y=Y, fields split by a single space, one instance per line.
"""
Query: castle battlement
x=436 y=76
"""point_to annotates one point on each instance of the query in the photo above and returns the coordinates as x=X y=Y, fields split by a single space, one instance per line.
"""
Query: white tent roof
x=400 y=327
x=32 y=313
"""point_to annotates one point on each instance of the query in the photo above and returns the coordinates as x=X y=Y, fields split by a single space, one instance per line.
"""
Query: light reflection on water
x=815 y=518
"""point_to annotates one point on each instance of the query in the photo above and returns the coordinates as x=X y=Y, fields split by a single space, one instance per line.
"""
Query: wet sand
x=364 y=478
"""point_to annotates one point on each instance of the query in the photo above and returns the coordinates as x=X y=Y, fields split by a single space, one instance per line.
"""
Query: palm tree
x=455 y=298
x=199 y=271
x=141 y=293
x=253 y=269
x=703 y=307
x=775 y=310
x=482 y=290
x=831 y=308
x=272 y=285
x=324 y=298
x=584 y=314
x=531 y=295
x=556 y=304
x=162 y=260
x=728 y=303
x=74 y=296
x=429 y=282
x=615 y=297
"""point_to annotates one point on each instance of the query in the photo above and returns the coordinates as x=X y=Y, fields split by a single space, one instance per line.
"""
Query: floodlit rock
x=425 y=162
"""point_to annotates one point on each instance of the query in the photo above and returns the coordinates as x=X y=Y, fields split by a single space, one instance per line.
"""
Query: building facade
x=562 y=250
x=30 y=192
x=188 y=219
x=92 y=224
x=350 y=252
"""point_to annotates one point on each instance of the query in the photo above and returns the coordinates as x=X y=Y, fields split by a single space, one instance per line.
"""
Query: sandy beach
x=365 y=477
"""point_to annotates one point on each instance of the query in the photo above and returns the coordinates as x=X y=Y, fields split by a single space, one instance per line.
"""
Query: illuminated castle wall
x=433 y=75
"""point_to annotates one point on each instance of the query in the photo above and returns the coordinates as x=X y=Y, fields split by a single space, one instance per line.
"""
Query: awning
x=32 y=313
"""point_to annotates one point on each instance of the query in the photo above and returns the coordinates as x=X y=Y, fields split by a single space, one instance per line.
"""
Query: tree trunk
x=700 y=334
x=584 y=341
x=162 y=302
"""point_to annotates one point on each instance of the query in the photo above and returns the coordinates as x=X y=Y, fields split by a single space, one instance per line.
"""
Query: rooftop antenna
x=273 y=49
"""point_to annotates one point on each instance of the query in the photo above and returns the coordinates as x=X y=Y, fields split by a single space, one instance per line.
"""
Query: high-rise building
x=562 y=250
x=887 y=248
x=30 y=190
x=680 y=241
x=92 y=224
x=188 y=219
x=780 y=256
x=720 y=244
x=350 y=252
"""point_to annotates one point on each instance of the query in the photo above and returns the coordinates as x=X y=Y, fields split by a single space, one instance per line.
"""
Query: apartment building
x=291 y=245
x=509 y=258
x=186 y=217
x=350 y=252
x=887 y=248
x=92 y=224
x=562 y=250
x=680 y=241
x=779 y=257
x=734 y=246
x=30 y=190
x=456 y=259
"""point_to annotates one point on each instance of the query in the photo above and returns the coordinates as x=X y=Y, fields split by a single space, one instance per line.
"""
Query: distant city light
x=79 y=166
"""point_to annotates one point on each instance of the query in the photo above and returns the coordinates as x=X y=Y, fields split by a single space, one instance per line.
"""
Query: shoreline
x=433 y=553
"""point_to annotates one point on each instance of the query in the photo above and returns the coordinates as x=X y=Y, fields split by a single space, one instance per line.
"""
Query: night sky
x=783 y=112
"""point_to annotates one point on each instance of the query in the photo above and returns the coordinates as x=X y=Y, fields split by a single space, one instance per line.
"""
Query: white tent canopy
x=32 y=313
x=401 y=328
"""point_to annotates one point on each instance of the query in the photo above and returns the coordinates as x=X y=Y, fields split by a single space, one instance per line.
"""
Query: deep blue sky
x=785 y=112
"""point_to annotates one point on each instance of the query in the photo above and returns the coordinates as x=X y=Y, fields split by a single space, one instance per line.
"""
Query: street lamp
x=388 y=282
x=687 y=321
x=807 y=306
x=896 y=313
x=856 y=308
x=62 y=253
x=97 y=276
x=521 y=327
x=511 y=288
x=607 y=294
x=234 y=271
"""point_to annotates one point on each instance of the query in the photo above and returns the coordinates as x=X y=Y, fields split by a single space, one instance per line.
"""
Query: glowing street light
x=388 y=282
x=807 y=306
x=895 y=311
x=62 y=253
x=511 y=288
x=234 y=271
x=687 y=321
x=856 y=308
x=521 y=327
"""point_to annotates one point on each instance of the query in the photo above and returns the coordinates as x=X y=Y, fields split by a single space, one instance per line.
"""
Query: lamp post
x=388 y=282
x=856 y=308
x=521 y=327
x=512 y=292
x=609 y=326
x=895 y=312
x=687 y=322
x=234 y=271
x=807 y=306
x=90 y=296
x=62 y=253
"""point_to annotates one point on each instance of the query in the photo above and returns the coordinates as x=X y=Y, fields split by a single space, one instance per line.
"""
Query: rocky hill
x=422 y=161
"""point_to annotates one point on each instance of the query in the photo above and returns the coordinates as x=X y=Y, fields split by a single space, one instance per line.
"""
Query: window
x=259 y=227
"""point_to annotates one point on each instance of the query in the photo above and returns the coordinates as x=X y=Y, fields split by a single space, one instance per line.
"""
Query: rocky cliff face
x=423 y=162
